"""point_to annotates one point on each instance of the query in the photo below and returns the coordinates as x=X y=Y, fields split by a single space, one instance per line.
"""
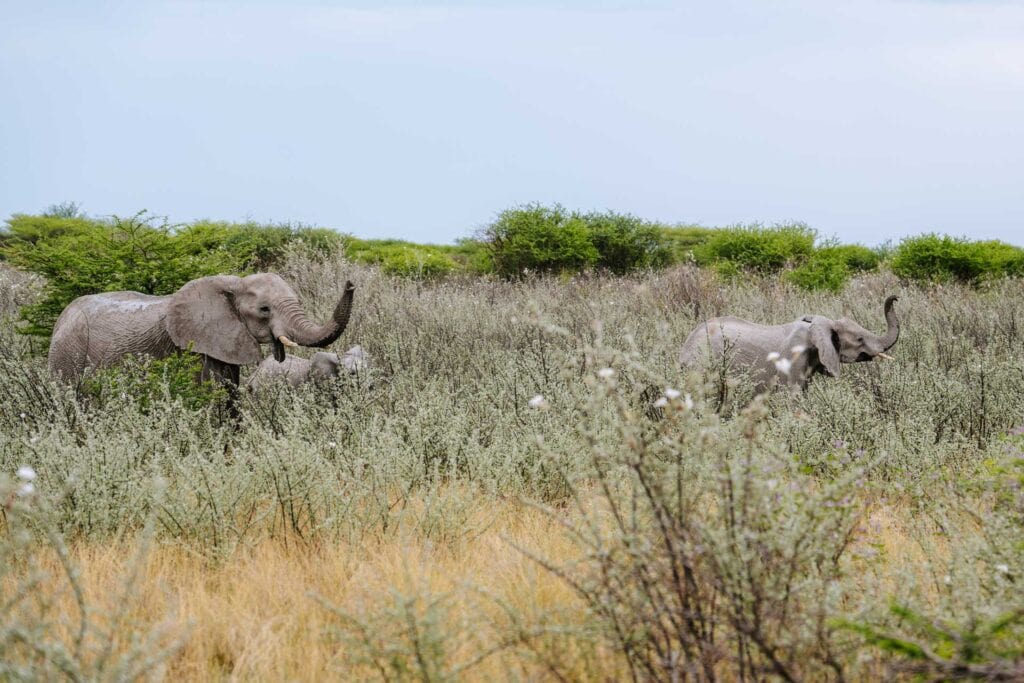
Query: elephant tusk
x=286 y=341
x=885 y=356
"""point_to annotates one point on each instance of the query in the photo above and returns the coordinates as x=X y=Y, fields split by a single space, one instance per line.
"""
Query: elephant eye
x=265 y=309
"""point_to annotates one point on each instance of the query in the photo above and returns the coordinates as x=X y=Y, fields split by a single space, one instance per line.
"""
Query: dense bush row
x=940 y=258
x=551 y=239
x=78 y=254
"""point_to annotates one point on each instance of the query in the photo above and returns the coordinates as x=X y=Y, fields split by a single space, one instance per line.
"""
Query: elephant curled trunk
x=301 y=331
x=892 y=332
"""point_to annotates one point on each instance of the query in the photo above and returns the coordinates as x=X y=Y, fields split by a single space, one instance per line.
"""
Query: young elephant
x=319 y=367
x=791 y=353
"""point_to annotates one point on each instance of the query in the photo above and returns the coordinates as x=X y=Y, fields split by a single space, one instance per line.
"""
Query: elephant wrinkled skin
x=321 y=366
x=792 y=353
x=222 y=317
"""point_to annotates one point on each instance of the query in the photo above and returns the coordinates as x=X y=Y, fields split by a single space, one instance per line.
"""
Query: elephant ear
x=203 y=314
x=826 y=341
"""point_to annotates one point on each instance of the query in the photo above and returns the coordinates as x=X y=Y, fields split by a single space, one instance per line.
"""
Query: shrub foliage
x=763 y=543
x=140 y=253
x=758 y=249
x=552 y=239
x=940 y=258
x=540 y=239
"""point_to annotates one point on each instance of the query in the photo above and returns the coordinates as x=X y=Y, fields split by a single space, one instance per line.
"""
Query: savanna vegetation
x=500 y=501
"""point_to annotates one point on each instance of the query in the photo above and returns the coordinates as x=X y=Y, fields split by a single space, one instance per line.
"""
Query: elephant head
x=228 y=317
x=845 y=341
x=323 y=365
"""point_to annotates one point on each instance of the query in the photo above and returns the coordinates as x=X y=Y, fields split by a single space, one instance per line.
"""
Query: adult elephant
x=223 y=318
x=791 y=353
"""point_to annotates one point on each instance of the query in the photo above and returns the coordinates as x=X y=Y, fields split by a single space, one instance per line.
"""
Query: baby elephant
x=791 y=353
x=320 y=367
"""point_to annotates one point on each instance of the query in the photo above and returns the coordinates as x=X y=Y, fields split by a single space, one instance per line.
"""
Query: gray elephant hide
x=321 y=366
x=788 y=354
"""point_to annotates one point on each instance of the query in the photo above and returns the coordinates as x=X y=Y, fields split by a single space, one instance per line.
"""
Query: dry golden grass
x=253 y=615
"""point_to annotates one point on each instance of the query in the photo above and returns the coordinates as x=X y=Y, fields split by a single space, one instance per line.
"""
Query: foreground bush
x=939 y=258
x=684 y=588
x=148 y=382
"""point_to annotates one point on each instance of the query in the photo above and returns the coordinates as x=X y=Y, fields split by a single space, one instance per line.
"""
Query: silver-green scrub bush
x=449 y=417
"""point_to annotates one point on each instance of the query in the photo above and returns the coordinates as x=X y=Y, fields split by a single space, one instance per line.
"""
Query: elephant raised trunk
x=300 y=330
x=892 y=332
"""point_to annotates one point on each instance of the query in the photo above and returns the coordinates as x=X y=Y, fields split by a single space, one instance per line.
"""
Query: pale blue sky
x=867 y=119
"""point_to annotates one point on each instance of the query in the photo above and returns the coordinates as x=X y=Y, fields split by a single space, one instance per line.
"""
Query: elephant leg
x=226 y=375
x=223 y=373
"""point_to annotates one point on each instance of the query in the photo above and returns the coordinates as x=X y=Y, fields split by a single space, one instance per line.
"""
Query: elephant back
x=97 y=330
x=292 y=369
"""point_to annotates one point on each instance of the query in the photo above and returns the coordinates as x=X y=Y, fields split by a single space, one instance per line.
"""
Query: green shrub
x=257 y=247
x=26 y=229
x=683 y=241
x=539 y=238
x=472 y=255
x=758 y=249
x=885 y=251
x=147 y=382
x=727 y=270
x=824 y=270
x=625 y=243
x=417 y=262
x=126 y=254
x=830 y=267
x=398 y=257
x=552 y=239
x=81 y=255
x=935 y=258
x=856 y=257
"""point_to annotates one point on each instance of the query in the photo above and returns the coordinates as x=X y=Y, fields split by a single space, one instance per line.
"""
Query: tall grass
x=775 y=510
